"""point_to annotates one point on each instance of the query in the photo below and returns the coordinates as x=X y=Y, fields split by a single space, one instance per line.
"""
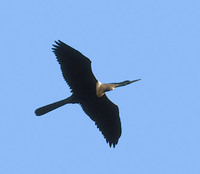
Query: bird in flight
x=87 y=91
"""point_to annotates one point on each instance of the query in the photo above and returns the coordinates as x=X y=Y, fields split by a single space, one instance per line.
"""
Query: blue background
x=157 y=41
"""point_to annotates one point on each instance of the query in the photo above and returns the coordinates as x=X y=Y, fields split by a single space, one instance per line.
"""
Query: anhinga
x=88 y=92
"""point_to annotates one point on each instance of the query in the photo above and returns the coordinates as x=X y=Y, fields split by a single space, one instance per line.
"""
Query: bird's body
x=88 y=92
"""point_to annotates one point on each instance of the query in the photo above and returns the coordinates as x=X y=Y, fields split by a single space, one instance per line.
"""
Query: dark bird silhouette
x=88 y=92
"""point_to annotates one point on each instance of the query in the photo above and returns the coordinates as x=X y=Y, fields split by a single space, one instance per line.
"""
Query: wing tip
x=56 y=45
x=59 y=42
x=112 y=143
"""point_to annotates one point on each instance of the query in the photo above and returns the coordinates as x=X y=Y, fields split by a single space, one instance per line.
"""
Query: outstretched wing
x=76 y=69
x=106 y=117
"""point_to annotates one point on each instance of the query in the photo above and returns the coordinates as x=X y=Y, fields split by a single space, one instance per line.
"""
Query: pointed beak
x=134 y=81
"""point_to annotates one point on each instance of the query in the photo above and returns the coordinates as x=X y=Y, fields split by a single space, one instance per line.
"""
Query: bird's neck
x=101 y=88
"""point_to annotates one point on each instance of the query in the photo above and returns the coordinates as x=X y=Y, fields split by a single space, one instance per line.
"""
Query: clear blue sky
x=157 y=41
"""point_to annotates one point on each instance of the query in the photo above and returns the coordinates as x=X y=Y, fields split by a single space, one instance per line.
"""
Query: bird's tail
x=45 y=109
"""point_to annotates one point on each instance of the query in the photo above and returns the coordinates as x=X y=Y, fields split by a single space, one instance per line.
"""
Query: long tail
x=45 y=109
